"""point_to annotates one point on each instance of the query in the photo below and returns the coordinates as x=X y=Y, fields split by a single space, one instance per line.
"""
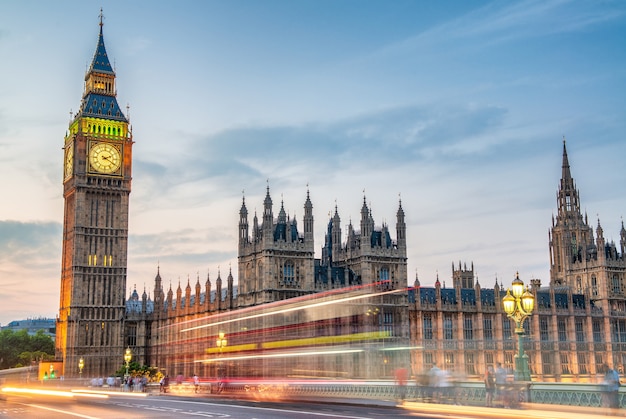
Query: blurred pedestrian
x=490 y=386
x=401 y=375
x=611 y=389
x=500 y=383
x=434 y=375
x=196 y=383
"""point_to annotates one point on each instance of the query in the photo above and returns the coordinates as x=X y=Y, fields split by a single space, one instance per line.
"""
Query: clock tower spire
x=96 y=189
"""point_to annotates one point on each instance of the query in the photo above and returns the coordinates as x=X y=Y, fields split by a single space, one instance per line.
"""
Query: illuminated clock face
x=69 y=161
x=105 y=158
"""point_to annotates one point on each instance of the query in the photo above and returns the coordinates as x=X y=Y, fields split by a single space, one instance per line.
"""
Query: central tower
x=96 y=188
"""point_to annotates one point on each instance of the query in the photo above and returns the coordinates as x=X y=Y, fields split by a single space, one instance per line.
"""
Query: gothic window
x=468 y=329
x=580 y=330
x=428 y=360
x=448 y=327
x=383 y=274
x=487 y=327
x=583 y=361
x=488 y=358
x=506 y=329
x=599 y=362
x=547 y=360
x=508 y=360
x=428 y=327
x=448 y=359
x=594 y=286
x=615 y=285
x=132 y=335
x=288 y=273
x=388 y=322
x=562 y=328
x=619 y=330
x=597 y=331
x=565 y=363
x=470 y=368
x=544 y=328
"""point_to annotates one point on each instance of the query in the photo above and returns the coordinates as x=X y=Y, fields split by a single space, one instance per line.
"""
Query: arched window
x=615 y=283
x=594 y=286
x=288 y=272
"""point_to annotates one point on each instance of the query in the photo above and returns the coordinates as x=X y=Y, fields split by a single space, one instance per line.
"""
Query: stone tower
x=276 y=262
x=96 y=188
x=367 y=257
x=577 y=259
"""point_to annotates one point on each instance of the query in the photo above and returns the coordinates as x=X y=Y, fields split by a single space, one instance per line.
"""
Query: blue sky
x=458 y=107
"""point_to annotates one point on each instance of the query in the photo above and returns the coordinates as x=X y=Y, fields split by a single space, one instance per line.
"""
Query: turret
x=179 y=297
x=336 y=236
x=198 y=293
x=400 y=227
x=366 y=230
x=243 y=223
x=308 y=219
x=229 y=298
x=622 y=241
x=207 y=290
x=268 y=217
x=218 y=292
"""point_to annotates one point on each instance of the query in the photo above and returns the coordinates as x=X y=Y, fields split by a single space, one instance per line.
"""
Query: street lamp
x=81 y=365
x=519 y=307
x=221 y=343
x=128 y=355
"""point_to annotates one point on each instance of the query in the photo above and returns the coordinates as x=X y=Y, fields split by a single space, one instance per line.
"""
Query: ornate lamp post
x=519 y=307
x=221 y=343
x=128 y=355
x=81 y=365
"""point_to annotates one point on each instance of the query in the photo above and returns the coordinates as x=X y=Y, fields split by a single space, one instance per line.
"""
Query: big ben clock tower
x=96 y=188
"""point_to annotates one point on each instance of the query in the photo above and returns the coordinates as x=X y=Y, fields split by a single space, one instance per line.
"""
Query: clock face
x=105 y=158
x=69 y=161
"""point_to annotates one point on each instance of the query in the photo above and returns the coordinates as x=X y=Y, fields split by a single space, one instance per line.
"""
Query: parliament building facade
x=354 y=299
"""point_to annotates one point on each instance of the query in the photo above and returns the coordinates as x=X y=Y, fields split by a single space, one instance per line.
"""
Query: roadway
x=106 y=405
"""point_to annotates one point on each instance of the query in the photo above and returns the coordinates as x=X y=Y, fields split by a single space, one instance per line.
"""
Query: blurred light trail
x=281 y=355
x=295 y=308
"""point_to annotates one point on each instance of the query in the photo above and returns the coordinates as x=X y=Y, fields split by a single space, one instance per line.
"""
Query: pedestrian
x=501 y=383
x=611 y=389
x=490 y=386
x=434 y=375
x=401 y=375
x=166 y=383
x=196 y=383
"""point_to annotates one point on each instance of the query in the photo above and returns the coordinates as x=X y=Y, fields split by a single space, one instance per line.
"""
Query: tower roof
x=99 y=98
x=100 y=62
x=566 y=174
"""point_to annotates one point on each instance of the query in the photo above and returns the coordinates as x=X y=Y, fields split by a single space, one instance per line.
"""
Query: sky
x=458 y=108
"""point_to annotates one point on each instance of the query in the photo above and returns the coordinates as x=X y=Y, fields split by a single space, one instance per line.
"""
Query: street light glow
x=519 y=307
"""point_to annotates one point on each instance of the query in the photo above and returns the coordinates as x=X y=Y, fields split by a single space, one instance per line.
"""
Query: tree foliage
x=18 y=349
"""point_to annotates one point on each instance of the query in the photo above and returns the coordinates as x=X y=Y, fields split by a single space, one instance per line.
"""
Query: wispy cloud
x=502 y=22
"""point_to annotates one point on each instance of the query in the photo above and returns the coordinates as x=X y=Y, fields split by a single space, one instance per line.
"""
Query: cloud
x=28 y=242
x=395 y=136
x=29 y=266
x=503 y=22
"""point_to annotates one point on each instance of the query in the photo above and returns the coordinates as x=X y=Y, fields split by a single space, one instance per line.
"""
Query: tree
x=19 y=348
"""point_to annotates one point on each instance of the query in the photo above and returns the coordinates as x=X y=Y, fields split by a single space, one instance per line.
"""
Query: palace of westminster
x=579 y=321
